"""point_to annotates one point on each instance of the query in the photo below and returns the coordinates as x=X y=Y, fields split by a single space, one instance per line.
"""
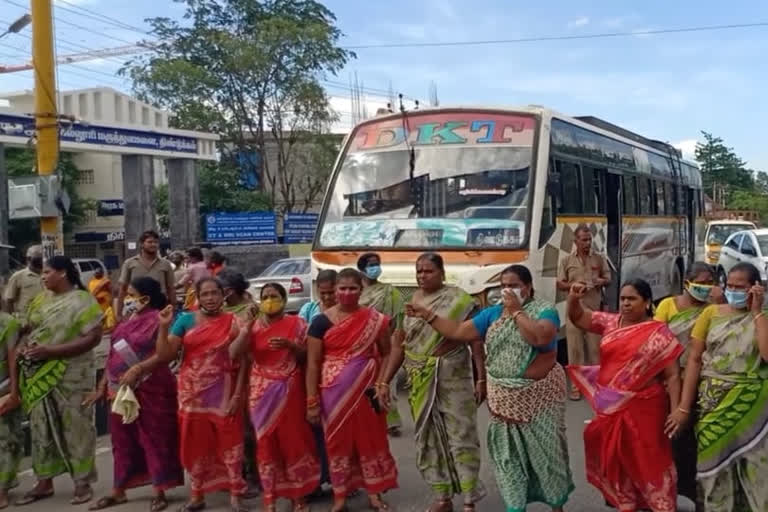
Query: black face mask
x=36 y=262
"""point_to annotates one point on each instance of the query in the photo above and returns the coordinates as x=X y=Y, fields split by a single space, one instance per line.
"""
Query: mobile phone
x=371 y=394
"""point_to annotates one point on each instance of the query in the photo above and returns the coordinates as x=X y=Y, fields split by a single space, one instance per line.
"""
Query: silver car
x=294 y=275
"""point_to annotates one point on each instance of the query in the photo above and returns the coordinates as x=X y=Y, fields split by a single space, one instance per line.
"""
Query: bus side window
x=593 y=190
x=630 y=195
x=548 y=221
x=661 y=202
x=673 y=199
x=570 y=186
x=645 y=196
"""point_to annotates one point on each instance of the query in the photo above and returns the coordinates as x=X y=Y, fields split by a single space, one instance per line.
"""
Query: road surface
x=412 y=496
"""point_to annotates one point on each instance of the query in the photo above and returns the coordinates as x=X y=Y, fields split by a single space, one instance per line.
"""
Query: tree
x=220 y=191
x=249 y=70
x=721 y=166
x=23 y=162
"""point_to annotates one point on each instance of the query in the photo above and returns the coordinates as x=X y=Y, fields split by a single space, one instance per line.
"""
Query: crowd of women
x=680 y=395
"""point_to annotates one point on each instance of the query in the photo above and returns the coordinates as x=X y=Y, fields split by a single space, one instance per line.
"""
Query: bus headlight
x=493 y=296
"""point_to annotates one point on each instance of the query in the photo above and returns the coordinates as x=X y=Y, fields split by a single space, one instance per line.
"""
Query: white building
x=101 y=172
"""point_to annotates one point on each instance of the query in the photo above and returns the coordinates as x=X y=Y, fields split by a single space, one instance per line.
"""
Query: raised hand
x=165 y=316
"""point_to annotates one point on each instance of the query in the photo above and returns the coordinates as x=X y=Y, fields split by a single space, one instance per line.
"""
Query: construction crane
x=71 y=58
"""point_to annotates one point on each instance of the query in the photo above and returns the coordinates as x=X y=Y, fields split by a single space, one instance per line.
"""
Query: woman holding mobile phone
x=348 y=349
x=728 y=363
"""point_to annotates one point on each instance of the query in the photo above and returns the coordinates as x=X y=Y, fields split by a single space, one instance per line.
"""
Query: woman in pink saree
x=348 y=348
x=286 y=452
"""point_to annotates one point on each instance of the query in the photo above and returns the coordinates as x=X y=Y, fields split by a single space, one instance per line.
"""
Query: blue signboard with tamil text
x=299 y=228
x=251 y=227
x=24 y=127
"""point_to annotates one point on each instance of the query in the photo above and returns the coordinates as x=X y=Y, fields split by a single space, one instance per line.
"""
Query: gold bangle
x=517 y=314
x=480 y=380
x=684 y=411
x=758 y=316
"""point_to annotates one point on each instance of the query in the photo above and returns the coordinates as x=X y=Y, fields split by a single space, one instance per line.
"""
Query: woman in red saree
x=286 y=453
x=348 y=348
x=628 y=449
x=211 y=386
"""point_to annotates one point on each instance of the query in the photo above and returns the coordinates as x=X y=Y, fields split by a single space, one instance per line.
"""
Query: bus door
x=690 y=213
x=613 y=211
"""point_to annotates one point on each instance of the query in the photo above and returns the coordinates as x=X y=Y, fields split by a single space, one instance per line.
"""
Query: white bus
x=488 y=187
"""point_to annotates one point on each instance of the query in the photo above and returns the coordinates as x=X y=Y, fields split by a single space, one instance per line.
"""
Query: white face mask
x=517 y=292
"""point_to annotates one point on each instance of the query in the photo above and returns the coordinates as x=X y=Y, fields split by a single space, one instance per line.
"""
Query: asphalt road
x=413 y=494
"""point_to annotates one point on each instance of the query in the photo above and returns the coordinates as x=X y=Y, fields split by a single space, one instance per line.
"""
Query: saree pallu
x=147 y=450
x=527 y=440
x=387 y=300
x=442 y=402
x=732 y=429
x=355 y=434
x=211 y=439
x=62 y=431
x=628 y=456
x=684 y=445
x=286 y=452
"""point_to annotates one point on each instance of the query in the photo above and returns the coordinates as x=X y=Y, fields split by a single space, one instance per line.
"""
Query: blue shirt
x=309 y=311
x=184 y=322
x=486 y=317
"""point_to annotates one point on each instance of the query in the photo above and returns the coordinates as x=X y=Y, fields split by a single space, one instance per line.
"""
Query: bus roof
x=590 y=123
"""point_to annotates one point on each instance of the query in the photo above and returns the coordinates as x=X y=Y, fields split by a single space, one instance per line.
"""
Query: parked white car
x=87 y=268
x=744 y=246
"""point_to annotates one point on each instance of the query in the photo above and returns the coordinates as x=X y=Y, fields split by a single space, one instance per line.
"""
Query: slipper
x=33 y=496
x=575 y=395
x=83 y=498
x=106 y=502
x=158 y=503
x=383 y=506
x=192 y=507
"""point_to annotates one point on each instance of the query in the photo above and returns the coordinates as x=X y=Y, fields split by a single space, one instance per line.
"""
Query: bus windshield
x=719 y=233
x=429 y=194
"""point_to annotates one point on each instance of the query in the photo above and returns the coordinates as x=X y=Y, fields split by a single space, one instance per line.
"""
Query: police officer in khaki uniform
x=585 y=266
x=25 y=284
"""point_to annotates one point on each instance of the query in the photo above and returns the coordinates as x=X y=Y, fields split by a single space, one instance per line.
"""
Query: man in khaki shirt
x=147 y=263
x=583 y=266
x=24 y=285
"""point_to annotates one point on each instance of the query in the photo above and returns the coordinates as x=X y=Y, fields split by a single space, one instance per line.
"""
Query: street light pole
x=46 y=115
x=18 y=25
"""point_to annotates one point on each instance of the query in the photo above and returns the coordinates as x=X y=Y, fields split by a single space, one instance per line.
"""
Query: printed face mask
x=736 y=298
x=373 y=272
x=132 y=305
x=699 y=292
x=271 y=305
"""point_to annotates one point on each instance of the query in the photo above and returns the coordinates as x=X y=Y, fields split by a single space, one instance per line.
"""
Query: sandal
x=107 y=502
x=469 y=507
x=575 y=395
x=382 y=506
x=192 y=507
x=441 y=506
x=158 y=503
x=33 y=496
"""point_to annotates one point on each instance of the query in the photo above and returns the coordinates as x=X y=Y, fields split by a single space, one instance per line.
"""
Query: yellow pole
x=46 y=114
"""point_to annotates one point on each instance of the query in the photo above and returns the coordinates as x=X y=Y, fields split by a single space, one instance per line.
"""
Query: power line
x=604 y=35
x=88 y=13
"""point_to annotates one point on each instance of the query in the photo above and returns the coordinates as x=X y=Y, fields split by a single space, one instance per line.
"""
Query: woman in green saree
x=443 y=396
x=680 y=314
x=11 y=434
x=526 y=391
x=63 y=326
x=388 y=300
x=729 y=350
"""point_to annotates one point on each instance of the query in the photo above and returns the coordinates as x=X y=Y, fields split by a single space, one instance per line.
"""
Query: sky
x=668 y=86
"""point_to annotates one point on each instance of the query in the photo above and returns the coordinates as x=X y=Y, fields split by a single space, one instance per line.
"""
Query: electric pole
x=46 y=115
